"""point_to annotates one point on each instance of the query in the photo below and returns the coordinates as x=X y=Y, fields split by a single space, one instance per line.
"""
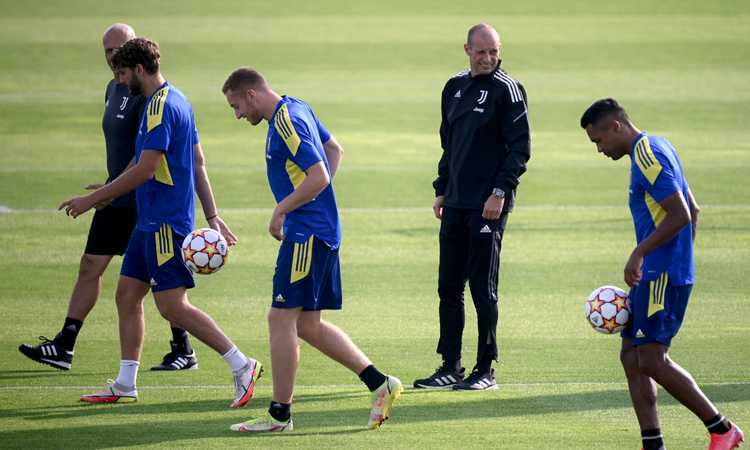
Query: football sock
x=235 y=358
x=180 y=337
x=67 y=336
x=652 y=439
x=372 y=377
x=454 y=365
x=280 y=411
x=718 y=424
x=128 y=373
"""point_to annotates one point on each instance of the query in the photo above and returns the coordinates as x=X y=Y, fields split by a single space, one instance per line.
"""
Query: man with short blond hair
x=302 y=158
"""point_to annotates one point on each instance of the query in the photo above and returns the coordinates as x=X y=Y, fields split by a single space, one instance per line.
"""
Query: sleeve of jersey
x=441 y=182
x=325 y=135
x=655 y=172
x=158 y=128
x=514 y=123
x=298 y=139
x=196 y=137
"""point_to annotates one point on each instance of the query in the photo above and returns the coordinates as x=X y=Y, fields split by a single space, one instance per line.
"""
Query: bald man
x=486 y=143
x=111 y=226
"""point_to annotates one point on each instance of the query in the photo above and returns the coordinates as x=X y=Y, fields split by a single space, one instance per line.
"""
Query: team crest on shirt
x=124 y=103
x=482 y=97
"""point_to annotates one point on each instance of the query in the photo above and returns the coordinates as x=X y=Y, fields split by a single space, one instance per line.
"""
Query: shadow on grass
x=446 y=406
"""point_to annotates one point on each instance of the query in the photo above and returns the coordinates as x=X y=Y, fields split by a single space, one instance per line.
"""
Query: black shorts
x=110 y=231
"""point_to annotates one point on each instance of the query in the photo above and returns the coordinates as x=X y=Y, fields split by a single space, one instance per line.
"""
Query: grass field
x=373 y=72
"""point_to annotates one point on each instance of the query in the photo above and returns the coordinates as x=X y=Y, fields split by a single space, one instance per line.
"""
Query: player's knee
x=650 y=363
x=127 y=305
x=90 y=267
x=629 y=360
x=451 y=292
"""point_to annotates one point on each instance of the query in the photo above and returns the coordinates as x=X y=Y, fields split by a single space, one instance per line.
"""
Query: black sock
x=180 y=338
x=652 y=439
x=454 y=365
x=718 y=424
x=280 y=411
x=67 y=336
x=372 y=377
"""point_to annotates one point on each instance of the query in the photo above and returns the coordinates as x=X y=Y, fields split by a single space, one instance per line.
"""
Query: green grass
x=373 y=72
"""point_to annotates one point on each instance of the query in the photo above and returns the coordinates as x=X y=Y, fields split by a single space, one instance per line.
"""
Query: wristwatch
x=499 y=193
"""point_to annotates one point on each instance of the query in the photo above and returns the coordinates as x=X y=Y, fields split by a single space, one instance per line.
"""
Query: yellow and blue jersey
x=295 y=143
x=656 y=173
x=168 y=126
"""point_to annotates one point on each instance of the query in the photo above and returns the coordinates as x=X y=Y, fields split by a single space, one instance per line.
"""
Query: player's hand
x=218 y=224
x=633 y=272
x=493 y=207
x=76 y=206
x=437 y=207
x=276 y=225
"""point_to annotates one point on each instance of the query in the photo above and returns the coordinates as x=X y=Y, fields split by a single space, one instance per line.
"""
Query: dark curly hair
x=138 y=51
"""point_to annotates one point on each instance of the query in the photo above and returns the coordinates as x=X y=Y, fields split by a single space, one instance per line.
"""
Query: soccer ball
x=608 y=309
x=204 y=251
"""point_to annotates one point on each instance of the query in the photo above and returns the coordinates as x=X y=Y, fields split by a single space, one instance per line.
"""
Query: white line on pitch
x=345 y=386
x=410 y=209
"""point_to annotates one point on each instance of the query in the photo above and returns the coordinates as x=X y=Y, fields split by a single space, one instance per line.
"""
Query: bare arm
x=206 y=196
x=694 y=210
x=676 y=218
x=130 y=179
x=316 y=180
x=334 y=154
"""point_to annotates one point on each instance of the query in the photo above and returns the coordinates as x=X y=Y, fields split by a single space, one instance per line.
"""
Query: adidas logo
x=458 y=94
x=485 y=229
x=71 y=327
x=279 y=299
x=640 y=334
x=153 y=282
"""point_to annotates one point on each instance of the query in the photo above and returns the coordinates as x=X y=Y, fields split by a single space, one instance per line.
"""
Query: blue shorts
x=156 y=259
x=658 y=308
x=307 y=275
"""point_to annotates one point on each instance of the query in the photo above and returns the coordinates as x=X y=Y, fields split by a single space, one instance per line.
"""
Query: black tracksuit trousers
x=469 y=250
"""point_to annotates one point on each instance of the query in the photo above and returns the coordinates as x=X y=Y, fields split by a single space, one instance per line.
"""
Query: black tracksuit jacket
x=485 y=137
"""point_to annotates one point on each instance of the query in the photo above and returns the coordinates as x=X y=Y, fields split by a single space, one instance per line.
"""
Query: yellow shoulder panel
x=155 y=108
x=286 y=130
x=646 y=160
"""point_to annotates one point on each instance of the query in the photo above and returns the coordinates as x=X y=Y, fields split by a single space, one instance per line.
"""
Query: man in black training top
x=486 y=143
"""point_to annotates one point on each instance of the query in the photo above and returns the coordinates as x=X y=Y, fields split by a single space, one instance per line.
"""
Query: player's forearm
x=334 y=154
x=203 y=184
x=667 y=230
x=127 y=181
x=316 y=180
x=205 y=192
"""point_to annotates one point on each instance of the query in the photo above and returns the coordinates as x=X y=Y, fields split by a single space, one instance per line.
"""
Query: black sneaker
x=443 y=378
x=48 y=352
x=478 y=381
x=177 y=359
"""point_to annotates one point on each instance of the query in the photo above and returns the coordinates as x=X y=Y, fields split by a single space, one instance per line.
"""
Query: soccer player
x=111 y=226
x=660 y=272
x=302 y=158
x=486 y=144
x=168 y=172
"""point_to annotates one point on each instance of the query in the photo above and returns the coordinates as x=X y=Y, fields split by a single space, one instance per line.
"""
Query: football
x=205 y=251
x=607 y=309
